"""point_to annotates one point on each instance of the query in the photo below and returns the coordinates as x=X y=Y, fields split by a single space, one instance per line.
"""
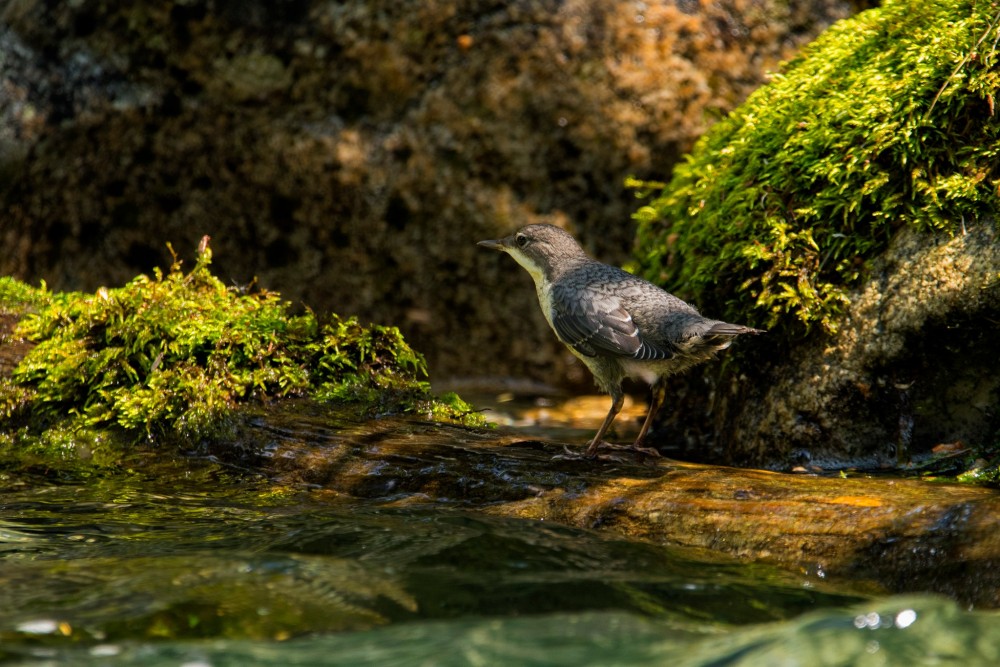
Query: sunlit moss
x=985 y=475
x=888 y=119
x=17 y=297
x=176 y=353
x=977 y=465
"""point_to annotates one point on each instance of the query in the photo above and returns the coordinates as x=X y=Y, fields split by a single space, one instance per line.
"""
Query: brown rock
x=912 y=365
x=349 y=154
x=892 y=535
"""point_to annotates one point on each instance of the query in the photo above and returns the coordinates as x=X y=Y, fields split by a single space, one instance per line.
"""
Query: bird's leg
x=655 y=403
x=617 y=401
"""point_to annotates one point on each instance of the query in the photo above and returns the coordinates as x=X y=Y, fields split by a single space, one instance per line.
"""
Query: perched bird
x=617 y=324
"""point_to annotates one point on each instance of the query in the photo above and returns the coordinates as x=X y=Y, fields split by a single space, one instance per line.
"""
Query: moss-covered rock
x=886 y=121
x=912 y=366
x=176 y=353
x=850 y=206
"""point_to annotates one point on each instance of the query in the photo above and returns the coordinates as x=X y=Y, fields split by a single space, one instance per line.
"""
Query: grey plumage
x=618 y=324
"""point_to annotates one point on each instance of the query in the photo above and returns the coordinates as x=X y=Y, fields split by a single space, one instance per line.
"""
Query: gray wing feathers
x=599 y=324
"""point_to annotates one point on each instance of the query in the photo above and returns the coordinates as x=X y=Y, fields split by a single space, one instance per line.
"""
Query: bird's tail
x=721 y=334
x=726 y=329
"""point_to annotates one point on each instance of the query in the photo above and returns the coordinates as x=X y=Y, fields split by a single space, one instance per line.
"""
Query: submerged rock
x=901 y=535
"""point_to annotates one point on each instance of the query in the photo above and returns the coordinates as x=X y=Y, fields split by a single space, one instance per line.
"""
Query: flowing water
x=188 y=562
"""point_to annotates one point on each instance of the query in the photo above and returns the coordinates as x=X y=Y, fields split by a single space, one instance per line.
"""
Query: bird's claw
x=634 y=447
x=573 y=455
x=648 y=451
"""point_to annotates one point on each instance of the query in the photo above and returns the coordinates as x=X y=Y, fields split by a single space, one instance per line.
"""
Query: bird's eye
x=521 y=240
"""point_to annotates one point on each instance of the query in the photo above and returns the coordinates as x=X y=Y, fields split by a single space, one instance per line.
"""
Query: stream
x=194 y=562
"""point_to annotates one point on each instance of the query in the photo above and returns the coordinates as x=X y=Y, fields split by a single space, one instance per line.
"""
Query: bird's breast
x=544 y=292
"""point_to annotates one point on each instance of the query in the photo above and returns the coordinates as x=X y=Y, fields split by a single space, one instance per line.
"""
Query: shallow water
x=191 y=563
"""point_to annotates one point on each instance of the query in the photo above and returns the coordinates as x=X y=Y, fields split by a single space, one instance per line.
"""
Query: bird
x=619 y=325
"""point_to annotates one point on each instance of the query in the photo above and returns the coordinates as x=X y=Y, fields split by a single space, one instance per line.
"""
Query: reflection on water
x=190 y=565
x=560 y=417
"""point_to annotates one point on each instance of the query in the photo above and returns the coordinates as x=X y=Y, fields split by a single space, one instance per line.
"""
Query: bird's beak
x=500 y=245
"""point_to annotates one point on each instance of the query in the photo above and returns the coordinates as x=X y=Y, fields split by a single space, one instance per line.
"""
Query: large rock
x=349 y=154
x=849 y=207
x=913 y=365
x=894 y=534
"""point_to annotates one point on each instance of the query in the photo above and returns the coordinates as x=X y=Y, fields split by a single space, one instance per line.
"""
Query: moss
x=176 y=353
x=982 y=473
x=886 y=120
x=18 y=298
x=978 y=464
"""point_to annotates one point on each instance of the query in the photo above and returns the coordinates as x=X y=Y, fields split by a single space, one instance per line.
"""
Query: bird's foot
x=595 y=453
x=634 y=447
x=586 y=455
x=648 y=451
x=574 y=455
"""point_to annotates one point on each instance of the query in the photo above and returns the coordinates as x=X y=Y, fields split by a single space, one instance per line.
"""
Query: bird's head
x=543 y=250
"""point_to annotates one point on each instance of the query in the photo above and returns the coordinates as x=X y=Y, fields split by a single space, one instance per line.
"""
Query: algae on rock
x=886 y=120
x=176 y=353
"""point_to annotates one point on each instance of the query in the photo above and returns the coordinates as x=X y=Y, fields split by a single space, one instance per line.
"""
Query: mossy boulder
x=911 y=367
x=885 y=121
x=172 y=357
x=850 y=207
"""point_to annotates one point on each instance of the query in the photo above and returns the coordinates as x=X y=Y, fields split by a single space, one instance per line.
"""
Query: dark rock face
x=349 y=154
x=913 y=365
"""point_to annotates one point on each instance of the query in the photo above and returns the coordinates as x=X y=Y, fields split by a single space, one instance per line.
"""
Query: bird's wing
x=594 y=323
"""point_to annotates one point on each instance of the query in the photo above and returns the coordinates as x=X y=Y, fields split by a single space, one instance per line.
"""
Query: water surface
x=190 y=562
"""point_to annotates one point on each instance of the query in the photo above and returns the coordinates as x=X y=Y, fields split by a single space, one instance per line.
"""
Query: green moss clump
x=888 y=119
x=178 y=352
x=982 y=473
x=18 y=298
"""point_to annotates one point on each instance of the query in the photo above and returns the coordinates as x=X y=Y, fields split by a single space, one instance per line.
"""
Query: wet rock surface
x=893 y=534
